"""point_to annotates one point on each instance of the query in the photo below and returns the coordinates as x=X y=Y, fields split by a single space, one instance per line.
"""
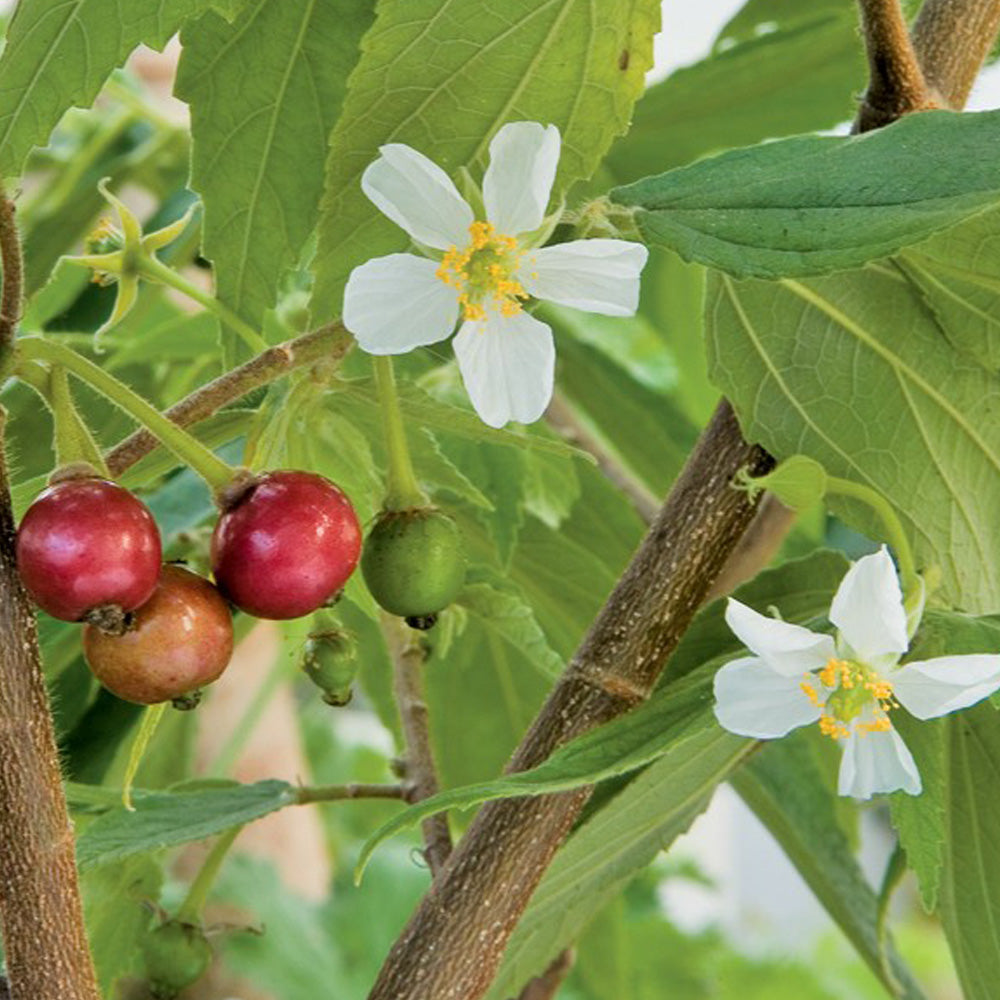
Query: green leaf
x=970 y=884
x=60 y=52
x=165 y=819
x=922 y=820
x=958 y=275
x=853 y=371
x=443 y=75
x=264 y=93
x=812 y=204
x=118 y=903
x=606 y=851
x=787 y=791
x=798 y=75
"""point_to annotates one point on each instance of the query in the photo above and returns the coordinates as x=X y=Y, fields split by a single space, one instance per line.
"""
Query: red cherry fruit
x=287 y=546
x=86 y=544
x=180 y=640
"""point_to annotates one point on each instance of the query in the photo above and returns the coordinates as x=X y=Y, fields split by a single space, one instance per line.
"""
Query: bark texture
x=452 y=946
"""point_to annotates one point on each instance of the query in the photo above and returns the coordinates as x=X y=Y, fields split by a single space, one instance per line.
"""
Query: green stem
x=187 y=448
x=342 y=793
x=73 y=440
x=156 y=270
x=402 y=489
x=194 y=903
x=893 y=526
x=150 y=720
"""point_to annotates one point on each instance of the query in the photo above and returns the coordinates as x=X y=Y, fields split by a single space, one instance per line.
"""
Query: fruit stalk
x=190 y=911
x=402 y=489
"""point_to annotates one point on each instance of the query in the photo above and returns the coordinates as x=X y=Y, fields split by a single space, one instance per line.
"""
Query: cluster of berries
x=286 y=543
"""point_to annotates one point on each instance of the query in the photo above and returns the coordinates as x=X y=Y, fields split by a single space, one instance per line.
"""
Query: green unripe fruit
x=330 y=662
x=177 y=955
x=413 y=563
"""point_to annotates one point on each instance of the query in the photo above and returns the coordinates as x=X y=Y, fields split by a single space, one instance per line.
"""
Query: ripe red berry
x=287 y=546
x=180 y=640
x=86 y=544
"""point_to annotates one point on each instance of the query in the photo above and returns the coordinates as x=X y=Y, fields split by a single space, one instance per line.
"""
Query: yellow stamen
x=484 y=271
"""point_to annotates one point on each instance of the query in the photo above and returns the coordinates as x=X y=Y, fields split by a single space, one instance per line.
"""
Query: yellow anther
x=879 y=725
x=483 y=271
x=810 y=692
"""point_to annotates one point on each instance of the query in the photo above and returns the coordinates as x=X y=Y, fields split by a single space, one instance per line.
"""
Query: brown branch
x=339 y=793
x=328 y=343
x=454 y=942
x=546 y=986
x=563 y=419
x=420 y=772
x=952 y=39
x=41 y=916
x=896 y=84
x=40 y=911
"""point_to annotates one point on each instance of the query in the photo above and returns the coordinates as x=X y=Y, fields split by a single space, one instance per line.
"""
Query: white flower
x=483 y=271
x=849 y=685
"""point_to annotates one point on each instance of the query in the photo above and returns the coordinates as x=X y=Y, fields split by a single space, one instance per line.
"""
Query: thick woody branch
x=452 y=945
x=952 y=39
x=896 y=84
x=41 y=916
x=327 y=344
x=420 y=772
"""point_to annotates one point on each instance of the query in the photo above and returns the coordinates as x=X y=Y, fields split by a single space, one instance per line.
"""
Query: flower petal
x=929 y=688
x=507 y=364
x=518 y=181
x=868 y=607
x=877 y=762
x=600 y=276
x=788 y=649
x=752 y=700
x=394 y=304
x=419 y=196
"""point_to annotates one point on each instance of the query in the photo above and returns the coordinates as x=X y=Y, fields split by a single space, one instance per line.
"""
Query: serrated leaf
x=800 y=74
x=60 y=52
x=165 y=819
x=444 y=75
x=670 y=717
x=786 y=790
x=853 y=371
x=264 y=93
x=812 y=204
x=605 y=853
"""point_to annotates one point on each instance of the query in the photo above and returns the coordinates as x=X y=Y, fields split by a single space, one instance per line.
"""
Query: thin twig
x=896 y=84
x=546 y=986
x=41 y=916
x=338 y=793
x=453 y=944
x=328 y=343
x=952 y=39
x=563 y=418
x=420 y=772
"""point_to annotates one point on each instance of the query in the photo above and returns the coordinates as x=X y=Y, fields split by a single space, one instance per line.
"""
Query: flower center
x=483 y=271
x=852 y=688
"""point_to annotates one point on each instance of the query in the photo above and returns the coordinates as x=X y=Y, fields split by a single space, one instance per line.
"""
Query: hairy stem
x=896 y=84
x=194 y=902
x=13 y=282
x=420 y=774
x=454 y=942
x=339 y=793
x=951 y=39
x=329 y=343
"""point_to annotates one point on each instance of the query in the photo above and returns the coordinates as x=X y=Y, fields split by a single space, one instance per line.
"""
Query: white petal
x=788 y=649
x=600 y=276
x=518 y=181
x=419 y=196
x=877 y=762
x=393 y=304
x=752 y=700
x=868 y=608
x=930 y=688
x=507 y=364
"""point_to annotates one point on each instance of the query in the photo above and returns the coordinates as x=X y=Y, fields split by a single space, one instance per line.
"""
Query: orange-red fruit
x=181 y=640
x=85 y=544
x=287 y=547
